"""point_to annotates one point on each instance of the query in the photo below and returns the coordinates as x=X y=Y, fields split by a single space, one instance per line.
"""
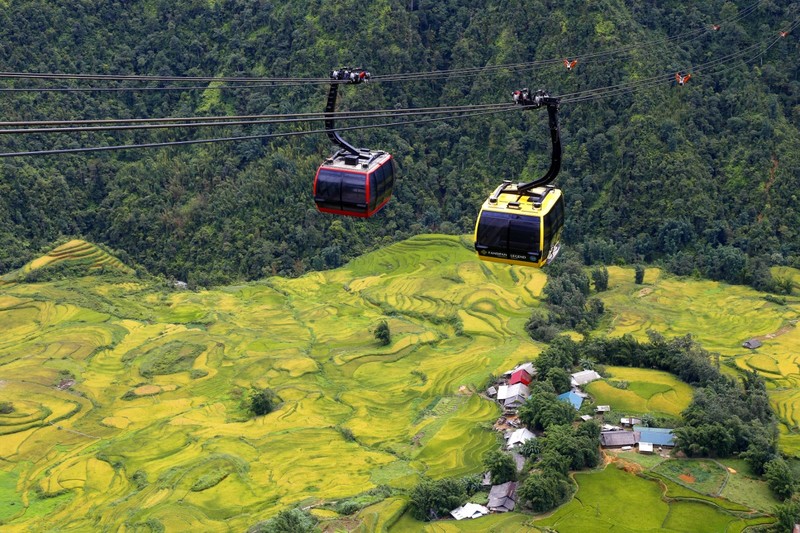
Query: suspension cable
x=509 y=107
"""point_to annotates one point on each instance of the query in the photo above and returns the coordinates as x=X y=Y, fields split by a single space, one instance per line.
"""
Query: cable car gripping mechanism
x=338 y=77
x=534 y=101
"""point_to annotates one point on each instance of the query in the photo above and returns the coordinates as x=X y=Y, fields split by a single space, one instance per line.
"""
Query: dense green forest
x=702 y=177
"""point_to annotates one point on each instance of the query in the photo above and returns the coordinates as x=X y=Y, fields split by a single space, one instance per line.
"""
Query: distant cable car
x=353 y=181
x=521 y=224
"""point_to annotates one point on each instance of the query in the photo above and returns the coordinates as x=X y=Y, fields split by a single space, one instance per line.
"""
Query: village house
x=519 y=437
x=503 y=498
x=520 y=376
x=618 y=439
x=469 y=510
x=752 y=344
x=575 y=399
x=579 y=379
x=656 y=436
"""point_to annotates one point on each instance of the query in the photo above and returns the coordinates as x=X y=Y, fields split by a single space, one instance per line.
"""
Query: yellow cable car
x=520 y=228
x=520 y=224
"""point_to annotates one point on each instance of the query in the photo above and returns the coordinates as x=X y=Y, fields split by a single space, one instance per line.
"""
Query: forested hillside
x=701 y=176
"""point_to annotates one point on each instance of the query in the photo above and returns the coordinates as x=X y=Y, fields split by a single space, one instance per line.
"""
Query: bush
x=433 y=499
x=543 y=492
x=639 y=275
x=501 y=465
x=261 y=402
x=600 y=279
x=780 y=478
x=382 y=333
x=288 y=521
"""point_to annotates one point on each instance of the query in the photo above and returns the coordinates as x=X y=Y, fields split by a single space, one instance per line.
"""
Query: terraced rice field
x=129 y=399
x=647 y=391
x=615 y=500
x=721 y=317
x=75 y=253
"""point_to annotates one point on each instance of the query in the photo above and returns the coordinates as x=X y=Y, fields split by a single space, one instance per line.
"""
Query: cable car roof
x=366 y=161
x=534 y=202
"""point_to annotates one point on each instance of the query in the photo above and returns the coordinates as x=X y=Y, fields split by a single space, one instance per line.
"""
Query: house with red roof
x=520 y=376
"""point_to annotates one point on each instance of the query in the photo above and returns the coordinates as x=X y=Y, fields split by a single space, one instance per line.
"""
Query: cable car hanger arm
x=534 y=101
x=339 y=76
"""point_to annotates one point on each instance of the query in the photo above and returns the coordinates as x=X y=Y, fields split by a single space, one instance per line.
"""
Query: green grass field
x=648 y=391
x=128 y=396
x=152 y=418
x=721 y=317
x=615 y=500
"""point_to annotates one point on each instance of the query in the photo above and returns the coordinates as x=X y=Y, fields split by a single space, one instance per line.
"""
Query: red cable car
x=354 y=181
x=355 y=185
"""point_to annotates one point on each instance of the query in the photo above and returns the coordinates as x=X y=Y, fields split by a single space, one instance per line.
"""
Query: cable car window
x=354 y=190
x=329 y=188
x=523 y=234
x=493 y=230
x=374 y=196
x=381 y=179
x=390 y=171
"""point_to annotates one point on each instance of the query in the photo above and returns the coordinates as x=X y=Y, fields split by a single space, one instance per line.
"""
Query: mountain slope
x=128 y=397
x=693 y=175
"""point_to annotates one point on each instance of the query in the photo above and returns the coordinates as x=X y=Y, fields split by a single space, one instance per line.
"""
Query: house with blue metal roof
x=656 y=436
x=575 y=399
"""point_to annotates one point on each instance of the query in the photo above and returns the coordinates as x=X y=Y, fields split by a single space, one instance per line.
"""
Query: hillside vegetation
x=129 y=397
x=701 y=176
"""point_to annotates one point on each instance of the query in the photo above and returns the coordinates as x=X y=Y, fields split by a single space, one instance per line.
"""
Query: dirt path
x=782 y=331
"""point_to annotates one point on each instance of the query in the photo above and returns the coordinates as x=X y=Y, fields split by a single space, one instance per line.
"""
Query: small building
x=520 y=376
x=752 y=344
x=514 y=403
x=527 y=367
x=656 y=436
x=646 y=447
x=579 y=379
x=469 y=510
x=503 y=498
x=630 y=421
x=519 y=437
x=572 y=398
x=610 y=427
x=603 y=408
x=491 y=392
x=509 y=391
x=586 y=418
x=617 y=439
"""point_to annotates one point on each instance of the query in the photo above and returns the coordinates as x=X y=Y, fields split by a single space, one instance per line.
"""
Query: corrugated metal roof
x=658 y=436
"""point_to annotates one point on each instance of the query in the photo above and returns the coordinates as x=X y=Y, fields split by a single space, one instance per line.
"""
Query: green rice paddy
x=128 y=397
x=616 y=500
x=721 y=317
x=646 y=391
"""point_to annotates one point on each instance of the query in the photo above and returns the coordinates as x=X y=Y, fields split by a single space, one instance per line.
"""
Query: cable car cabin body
x=520 y=228
x=355 y=185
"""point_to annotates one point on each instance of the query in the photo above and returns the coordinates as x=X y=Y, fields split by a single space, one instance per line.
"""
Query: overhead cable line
x=250 y=121
x=278 y=116
x=509 y=107
x=715 y=66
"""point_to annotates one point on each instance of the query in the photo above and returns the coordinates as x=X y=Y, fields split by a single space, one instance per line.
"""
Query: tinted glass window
x=329 y=188
x=373 y=191
x=523 y=235
x=354 y=190
x=390 y=172
x=381 y=179
x=493 y=230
